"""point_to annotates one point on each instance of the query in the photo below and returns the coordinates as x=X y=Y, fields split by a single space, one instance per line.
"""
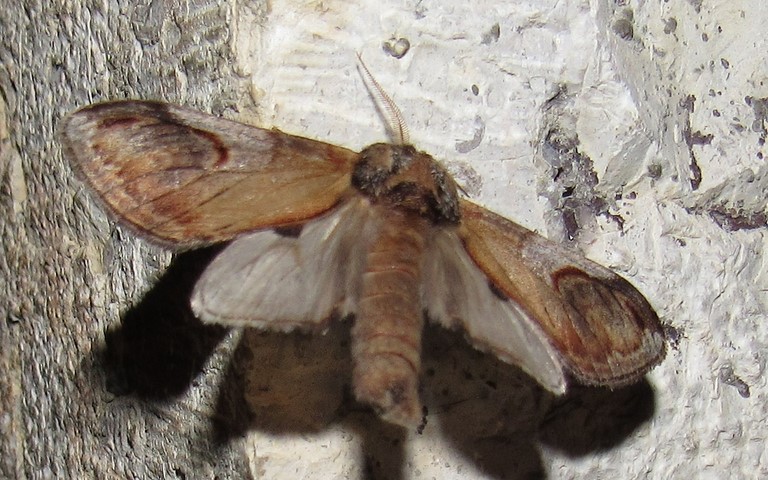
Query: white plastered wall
x=656 y=94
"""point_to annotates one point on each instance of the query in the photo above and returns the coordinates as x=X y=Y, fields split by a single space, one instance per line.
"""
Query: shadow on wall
x=491 y=412
x=160 y=346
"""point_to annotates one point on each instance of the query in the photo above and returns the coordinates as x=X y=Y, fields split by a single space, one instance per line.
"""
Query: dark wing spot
x=497 y=291
x=290 y=231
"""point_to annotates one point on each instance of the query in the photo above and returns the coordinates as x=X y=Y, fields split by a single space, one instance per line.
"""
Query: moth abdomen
x=386 y=337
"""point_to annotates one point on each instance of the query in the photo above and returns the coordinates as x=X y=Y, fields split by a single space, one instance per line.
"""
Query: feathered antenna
x=398 y=130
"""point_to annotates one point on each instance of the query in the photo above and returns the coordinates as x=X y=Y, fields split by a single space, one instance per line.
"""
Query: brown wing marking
x=603 y=328
x=184 y=178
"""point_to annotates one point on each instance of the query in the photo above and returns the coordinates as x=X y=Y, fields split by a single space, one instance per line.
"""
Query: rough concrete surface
x=633 y=130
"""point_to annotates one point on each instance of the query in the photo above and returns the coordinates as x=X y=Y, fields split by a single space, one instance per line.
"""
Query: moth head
x=404 y=178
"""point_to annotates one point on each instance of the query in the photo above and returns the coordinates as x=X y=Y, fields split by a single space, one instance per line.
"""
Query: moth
x=319 y=231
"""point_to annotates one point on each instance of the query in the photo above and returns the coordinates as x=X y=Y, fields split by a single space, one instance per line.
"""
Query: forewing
x=458 y=295
x=603 y=329
x=185 y=178
x=281 y=282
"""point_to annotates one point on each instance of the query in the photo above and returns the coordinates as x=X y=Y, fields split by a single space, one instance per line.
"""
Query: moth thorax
x=404 y=178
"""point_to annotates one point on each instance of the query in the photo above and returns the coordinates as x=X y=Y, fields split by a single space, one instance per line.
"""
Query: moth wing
x=184 y=178
x=604 y=330
x=279 y=282
x=458 y=295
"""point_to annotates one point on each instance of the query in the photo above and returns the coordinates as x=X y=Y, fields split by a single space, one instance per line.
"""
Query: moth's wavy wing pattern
x=457 y=295
x=147 y=160
x=282 y=282
x=604 y=330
